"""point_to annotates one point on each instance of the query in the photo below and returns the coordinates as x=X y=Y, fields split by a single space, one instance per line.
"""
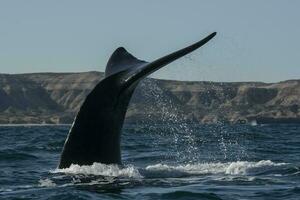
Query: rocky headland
x=54 y=98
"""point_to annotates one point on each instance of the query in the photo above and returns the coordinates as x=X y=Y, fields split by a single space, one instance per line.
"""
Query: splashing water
x=168 y=171
x=171 y=119
x=184 y=139
x=101 y=170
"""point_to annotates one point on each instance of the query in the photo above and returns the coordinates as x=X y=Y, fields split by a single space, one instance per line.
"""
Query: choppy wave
x=229 y=162
x=164 y=170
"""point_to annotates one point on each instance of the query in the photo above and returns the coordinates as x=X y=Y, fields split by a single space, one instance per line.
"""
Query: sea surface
x=161 y=161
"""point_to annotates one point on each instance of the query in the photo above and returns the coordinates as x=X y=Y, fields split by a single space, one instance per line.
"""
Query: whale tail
x=137 y=69
x=95 y=134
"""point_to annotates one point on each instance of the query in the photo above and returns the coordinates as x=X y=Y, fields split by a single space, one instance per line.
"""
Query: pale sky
x=256 y=41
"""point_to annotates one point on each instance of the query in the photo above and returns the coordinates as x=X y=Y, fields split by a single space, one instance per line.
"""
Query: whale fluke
x=95 y=133
x=121 y=60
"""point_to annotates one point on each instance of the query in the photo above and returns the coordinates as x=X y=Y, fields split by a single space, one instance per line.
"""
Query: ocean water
x=161 y=161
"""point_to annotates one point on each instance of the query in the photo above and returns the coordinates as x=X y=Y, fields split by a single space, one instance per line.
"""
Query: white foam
x=253 y=123
x=233 y=168
x=46 y=183
x=245 y=167
x=165 y=171
x=101 y=170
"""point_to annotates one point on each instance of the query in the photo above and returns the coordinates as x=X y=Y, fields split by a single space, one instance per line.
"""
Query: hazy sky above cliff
x=257 y=40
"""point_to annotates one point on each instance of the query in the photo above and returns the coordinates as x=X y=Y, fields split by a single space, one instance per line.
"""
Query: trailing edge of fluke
x=95 y=133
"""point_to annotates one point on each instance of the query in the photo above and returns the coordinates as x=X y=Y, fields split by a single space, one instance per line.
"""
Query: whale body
x=96 y=130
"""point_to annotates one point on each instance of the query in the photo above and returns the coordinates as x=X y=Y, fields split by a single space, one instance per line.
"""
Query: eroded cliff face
x=67 y=89
x=56 y=98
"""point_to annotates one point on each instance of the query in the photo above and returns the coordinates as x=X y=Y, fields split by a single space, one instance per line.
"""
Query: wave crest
x=164 y=170
x=230 y=168
x=244 y=167
x=100 y=169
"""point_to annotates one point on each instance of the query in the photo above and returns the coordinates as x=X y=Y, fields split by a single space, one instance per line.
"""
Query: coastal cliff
x=55 y=98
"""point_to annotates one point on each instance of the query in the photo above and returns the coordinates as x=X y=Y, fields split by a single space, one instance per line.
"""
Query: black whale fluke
x=95 y=133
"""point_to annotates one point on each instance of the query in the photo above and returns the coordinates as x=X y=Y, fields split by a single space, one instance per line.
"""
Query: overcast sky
x=256 y=41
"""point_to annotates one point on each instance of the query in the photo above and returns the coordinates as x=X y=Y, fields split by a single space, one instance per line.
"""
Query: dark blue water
x=162 y=161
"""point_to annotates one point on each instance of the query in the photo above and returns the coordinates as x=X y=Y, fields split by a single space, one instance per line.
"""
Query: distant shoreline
x=3 y=125
x=55 y=98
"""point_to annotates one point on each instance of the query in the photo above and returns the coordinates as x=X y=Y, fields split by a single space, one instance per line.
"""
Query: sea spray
x=230 y=142
x=183 y=137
